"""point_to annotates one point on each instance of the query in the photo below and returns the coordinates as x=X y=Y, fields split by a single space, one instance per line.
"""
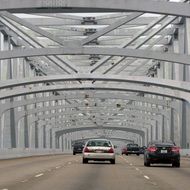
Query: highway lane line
x=23 y=181
x=39 y=175
x=57 y=167
x=145 y=176
x=4 y=189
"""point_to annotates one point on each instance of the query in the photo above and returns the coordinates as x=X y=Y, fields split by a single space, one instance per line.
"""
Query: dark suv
x=78 y=147
x=162 y=152
x=131 y=149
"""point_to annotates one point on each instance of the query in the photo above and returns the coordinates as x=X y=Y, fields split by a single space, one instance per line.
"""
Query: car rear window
x=99 y=143
x=132 y=145
x=163 y=145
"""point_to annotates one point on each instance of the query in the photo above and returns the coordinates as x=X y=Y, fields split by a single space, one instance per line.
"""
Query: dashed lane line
x=23 y=181
x=145 y=176
x=39 y=175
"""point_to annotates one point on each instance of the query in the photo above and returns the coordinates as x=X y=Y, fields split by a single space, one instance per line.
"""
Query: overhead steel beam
x=110 y=28
x=42 y=120
x=101 y=87
x=111 y=138
x=124 y=52
x=32 y=27
x=141 y=43
x=76 y=23
x=42 y=6
x=124 y=128
x=165 y=83
x=61 y=63
x=109 y=108
x=125 y=44
x=164 y=103
x=129 y=115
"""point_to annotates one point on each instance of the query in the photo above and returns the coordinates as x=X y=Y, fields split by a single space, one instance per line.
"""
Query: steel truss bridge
x=71 y=70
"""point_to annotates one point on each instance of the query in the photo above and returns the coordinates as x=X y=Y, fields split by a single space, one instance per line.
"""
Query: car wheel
x=74 y=153
x=84 y=161
x=137 y=154
x=176 y=164
x=147 y=163
x=112 y=161
x=126 y=154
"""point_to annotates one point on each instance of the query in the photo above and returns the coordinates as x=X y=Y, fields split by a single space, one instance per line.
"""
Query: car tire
x=126 y=154
x=137 y=154
x=84 y=161
x=176 y=164
x=112 y=161
x=147 y=163
x=74 y=153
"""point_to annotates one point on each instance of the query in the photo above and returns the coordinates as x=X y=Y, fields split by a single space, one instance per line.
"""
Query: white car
x=99 y=150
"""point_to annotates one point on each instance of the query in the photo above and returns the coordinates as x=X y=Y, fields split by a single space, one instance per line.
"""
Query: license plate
x=164 y=151
x=99 y=151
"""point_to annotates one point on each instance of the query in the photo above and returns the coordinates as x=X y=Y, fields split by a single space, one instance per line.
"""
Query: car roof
x=98 y=140
x=162 y=143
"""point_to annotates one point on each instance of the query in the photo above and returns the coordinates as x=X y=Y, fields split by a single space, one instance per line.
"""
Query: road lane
x=68 y=173
x=164 y=175
x=15 y=170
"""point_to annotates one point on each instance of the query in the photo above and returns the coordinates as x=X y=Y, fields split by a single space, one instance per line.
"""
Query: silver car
x=99 y=150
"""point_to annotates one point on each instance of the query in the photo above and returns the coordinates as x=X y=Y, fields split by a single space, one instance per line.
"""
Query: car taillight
x=152 y=149
x=175 y=149
x=86 y=150
x=111 y=150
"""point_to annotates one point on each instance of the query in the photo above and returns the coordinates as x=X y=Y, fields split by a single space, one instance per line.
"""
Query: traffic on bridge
x=94 y=94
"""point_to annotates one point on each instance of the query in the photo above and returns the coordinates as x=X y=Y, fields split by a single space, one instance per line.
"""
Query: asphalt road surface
x=66 y=172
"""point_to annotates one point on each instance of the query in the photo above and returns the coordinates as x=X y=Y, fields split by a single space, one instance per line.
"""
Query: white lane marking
x=137 y=169
x=69 y=163
x=130 y=164
x=145 y=176
x=38 y=175
x=57 y=167
x=4 y=189
x=23 y=181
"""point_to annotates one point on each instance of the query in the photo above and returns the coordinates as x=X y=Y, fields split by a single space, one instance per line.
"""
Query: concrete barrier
x=185 y=152
x=19 y=153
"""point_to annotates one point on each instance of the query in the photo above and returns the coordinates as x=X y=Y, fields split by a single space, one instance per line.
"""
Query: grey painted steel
x=125 y=52
x=110 y=28
x=63 y=64
x=166 y=83
x=124 y=45
x=141 y=43
x=160 y=7
x=40 y=118
x=108 y=87
x=132 y=130
x=165 y=103
x=32 y=27
x=135 y=113
x=111 y=138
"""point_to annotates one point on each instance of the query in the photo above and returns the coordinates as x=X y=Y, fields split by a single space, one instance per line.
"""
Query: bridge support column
x=187 y=78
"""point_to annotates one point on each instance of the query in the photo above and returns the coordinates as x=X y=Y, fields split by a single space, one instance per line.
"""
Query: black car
x=162 y=152
x=131 y=149
x=142 y=149
x=78 y=147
